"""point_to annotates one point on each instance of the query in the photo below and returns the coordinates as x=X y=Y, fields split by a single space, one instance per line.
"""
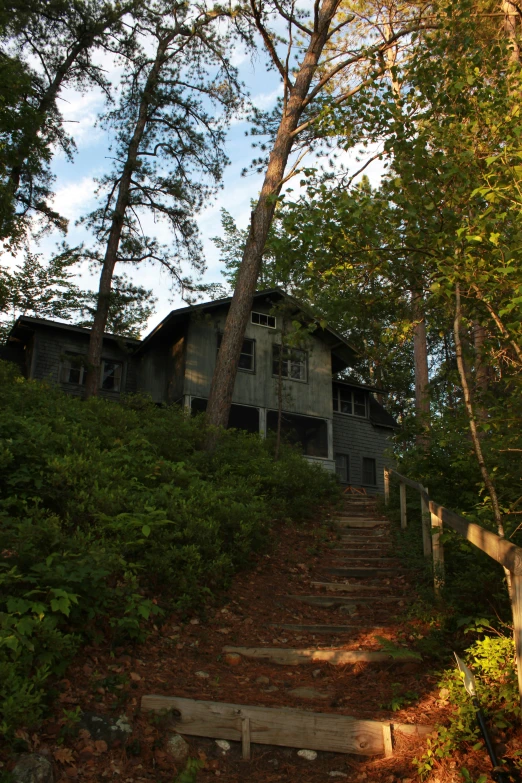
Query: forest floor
x=184 y=658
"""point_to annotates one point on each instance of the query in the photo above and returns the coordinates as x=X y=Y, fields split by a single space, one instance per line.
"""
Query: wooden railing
x=434 y=517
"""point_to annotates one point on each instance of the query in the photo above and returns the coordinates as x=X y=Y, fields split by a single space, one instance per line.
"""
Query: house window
x=73 y=369
x=369 y=476
x=293 y=363
x=247 y=359
x=307 y=432
x=350 y=401
x=110 y=375
x=342 y=468
x=262 y=319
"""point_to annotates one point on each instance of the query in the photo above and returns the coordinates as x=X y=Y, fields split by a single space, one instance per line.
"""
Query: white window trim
x=254 y=357
x=265 y=326
x=83 y=372
x=353 y=415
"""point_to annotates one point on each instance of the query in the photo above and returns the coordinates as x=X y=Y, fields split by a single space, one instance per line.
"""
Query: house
x=287 y=363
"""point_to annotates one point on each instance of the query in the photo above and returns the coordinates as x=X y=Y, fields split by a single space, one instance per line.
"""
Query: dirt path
x=309 y=593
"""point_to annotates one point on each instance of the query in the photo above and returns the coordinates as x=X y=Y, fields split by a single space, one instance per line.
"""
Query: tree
x=309 y=87
x=169 y=149
x=47 y=46
x=130 y=308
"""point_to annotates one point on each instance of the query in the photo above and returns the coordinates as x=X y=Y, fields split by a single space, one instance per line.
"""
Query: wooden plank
x=505 y=553
x=387 y=740
x=426 y=524
x=407 y=481
x=245 y=737
x=438 y=554
x=361 y=523
x=362 y=573
x=328 y=601
x=404 y=510
x=289 y=656
x=285 y=727
x=365 y=558
x=516 y=600
x=343 y=587
x=325 y=628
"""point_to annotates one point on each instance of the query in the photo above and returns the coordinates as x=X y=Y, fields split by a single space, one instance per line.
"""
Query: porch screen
x=242 y=417
x=310 y=433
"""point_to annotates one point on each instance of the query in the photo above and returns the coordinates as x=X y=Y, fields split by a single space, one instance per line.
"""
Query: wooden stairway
x=361 y=580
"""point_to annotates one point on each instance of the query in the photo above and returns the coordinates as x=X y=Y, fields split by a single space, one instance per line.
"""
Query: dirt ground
x=184 y=657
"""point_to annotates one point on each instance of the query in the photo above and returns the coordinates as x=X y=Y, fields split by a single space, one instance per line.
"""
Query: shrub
x=103 y=507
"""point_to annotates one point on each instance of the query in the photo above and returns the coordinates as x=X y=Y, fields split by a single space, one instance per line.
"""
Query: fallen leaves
x=64 y=755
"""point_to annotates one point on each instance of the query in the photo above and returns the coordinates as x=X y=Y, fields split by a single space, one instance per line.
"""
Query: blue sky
x=74 y=186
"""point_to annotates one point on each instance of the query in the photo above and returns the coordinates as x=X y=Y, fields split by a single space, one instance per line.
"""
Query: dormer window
x=349 y=401
x=262 y=319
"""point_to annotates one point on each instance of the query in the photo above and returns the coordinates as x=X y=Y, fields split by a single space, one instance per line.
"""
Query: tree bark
x=481 y=368
x=511 y=29
x=222 y=388
x=420 y=356
x=118 y=217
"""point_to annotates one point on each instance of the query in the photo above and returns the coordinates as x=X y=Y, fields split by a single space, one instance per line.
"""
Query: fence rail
x=434 y=516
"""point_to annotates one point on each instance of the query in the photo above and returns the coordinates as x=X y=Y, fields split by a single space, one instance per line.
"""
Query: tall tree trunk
x=118 y=217
x=222 y=388
x=511 y=29
x=420 y=356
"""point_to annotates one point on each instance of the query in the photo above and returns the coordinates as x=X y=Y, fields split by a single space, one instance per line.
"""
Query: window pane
x=262 y=319
x=111 y=376
x=359 y=398
x=246 y=359
x=369 y=471
x=73 y=370
x=306 y=431
x=335 y=400
x=255 y=318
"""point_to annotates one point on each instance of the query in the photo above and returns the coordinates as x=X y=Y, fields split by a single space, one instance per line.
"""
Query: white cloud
x=74 y=199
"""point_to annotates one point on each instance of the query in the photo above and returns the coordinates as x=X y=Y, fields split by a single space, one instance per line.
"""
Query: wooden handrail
x=504 y=552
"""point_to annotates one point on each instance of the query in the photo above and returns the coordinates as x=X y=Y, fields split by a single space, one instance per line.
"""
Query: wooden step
x=329 y=601
x=288 y=656
x=361 y=573
x=365 y=558
x=327 y=629
x=281 y=726
x=359 y=523
x=343 y=587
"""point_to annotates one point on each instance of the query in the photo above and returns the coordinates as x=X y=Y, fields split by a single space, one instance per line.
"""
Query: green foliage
x=111 y=514
x=189 y=774
x=492 y=660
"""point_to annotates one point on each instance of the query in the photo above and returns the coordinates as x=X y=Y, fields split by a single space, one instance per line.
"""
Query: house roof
x=24 y=322
x=342 y=352
x=380 y=417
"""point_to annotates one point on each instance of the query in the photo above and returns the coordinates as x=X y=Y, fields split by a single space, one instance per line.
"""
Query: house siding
x=358 y=438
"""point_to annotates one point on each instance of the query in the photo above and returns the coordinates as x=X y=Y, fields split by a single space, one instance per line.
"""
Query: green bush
x=104 y=507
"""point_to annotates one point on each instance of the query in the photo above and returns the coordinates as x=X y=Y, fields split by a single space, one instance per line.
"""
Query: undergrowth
x=111 y=514
x=472 y=617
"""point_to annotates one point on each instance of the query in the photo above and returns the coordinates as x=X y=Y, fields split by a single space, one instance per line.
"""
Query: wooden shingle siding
x=359 y=438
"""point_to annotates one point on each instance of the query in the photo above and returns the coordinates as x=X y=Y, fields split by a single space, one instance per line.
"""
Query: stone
x=223 y=745
x=178 y=748
x=194 y=621
x=203 y=675
x=101 y=727
x=271 y=689
x=309 y=755
x=337 y=774
x=33 y=768
x=309 y=693
x=317 y=673
x=262 y=680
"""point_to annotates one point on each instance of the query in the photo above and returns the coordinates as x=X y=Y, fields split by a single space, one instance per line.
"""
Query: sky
x=75 y=181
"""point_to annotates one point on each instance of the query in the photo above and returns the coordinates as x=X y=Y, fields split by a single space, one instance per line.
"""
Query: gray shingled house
x=338 y=423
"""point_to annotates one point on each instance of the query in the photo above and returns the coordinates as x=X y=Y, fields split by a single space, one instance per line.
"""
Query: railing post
x=516 y=588
x=426 y=531
x=386 y=487
x=404 y=515
x=438 y=554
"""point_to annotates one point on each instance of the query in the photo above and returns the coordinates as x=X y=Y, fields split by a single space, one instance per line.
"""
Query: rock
x=100 y=727
x=262 y=680
x=203 y=675
x=309 y=755
x=348 y=609
x=233 y=659
x=223 y=745
x=273 y=763
x=337 y=774
x=317 y=673
x=178 y=748
x=194 y=621
x=271 y=689
x=33 y=768
x=309 y=693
